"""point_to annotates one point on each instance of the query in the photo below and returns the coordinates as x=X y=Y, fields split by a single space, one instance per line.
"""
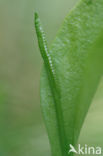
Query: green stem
x=53 y=83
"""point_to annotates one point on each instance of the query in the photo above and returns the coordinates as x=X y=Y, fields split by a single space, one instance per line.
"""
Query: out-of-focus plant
x=73 y=66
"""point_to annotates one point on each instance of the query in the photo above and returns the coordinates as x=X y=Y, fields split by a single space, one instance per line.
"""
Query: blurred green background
x=22 y=130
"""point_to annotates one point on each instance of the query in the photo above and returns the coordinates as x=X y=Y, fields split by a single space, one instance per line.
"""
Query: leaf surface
x=71 y=73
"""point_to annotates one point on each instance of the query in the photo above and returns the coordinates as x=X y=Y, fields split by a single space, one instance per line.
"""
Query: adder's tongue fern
x=48 y=62
x=68 y=80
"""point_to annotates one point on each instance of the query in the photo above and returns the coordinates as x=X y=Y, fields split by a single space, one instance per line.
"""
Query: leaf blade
x=69 y=53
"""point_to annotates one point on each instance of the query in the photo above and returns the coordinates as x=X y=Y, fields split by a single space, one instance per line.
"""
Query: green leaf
x=71 y=73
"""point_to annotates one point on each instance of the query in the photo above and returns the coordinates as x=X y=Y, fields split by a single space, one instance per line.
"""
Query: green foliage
x=72 y=70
